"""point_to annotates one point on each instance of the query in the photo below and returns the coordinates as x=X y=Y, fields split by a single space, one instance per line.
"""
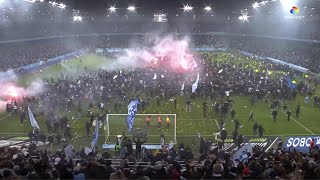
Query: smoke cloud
x=156 y=50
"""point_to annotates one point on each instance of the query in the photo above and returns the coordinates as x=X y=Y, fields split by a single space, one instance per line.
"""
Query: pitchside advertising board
x=301 y=143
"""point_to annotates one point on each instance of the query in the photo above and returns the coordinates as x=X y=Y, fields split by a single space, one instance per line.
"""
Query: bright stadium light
x=77 y=18
x=131 y=8
x=54 y=3
x=255 y=5
x=243 y=17
x=264 y=2
x=112 y=9
x=187 y=8
x=62 y=6
x=207 y=8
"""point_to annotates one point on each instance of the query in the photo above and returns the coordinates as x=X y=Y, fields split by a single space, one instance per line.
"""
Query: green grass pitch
x=188 y=124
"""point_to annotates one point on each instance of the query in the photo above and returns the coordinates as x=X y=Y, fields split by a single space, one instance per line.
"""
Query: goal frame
x=107 y=133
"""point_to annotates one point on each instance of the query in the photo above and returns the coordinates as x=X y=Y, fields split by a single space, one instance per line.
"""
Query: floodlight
x=187 y=8
x=54 y=3
x=255 y=5
x=77 y=18
x=264 y=2
x=62 y=6
x=207 y=8
x=131 y=8
x=112 y=9
x=243 y=17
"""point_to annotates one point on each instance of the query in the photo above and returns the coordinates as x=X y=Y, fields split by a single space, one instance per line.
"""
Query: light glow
x=112 y=9
x=187 y=8
x=131 y=8
x=207 y=8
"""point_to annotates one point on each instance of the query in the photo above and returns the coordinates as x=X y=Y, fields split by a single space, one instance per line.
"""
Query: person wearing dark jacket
x=138 y=147
x=223 y=135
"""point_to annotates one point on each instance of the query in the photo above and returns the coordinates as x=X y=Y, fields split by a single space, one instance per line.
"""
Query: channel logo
x=294 y=10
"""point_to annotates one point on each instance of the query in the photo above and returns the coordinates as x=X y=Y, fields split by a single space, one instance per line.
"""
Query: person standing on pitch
x=148 y=119
x=223 y=135
x=168 y=122
x=188 y=106
x=298 y=110
x=175 y=103
x=251 y=116
x=159 y=121
x=255 y=128
x=233 y=113
x=274 y=114
x=288 y=114
x=261 y=130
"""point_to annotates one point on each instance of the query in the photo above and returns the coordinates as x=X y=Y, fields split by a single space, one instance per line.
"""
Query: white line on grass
x=5 y=117
x=271 y=144
x=295 y=120
x=298 y=123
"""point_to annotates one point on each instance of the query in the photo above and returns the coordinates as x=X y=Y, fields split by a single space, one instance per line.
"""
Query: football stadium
x=150 y=89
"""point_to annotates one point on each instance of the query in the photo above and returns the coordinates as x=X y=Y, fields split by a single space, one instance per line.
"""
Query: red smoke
x=165 y=52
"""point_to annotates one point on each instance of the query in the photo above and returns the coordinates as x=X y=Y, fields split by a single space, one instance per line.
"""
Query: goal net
x=115 y=124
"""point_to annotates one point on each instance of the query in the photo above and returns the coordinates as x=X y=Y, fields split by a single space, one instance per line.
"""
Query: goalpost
x=115 y=124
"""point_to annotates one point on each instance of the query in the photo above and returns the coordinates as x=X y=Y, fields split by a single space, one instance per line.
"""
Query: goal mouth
x=147 y=124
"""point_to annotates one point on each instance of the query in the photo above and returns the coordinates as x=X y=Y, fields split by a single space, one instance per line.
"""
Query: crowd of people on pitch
x=301 y=54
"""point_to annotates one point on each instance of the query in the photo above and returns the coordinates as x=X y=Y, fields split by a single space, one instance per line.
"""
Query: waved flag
x=96 y=135
x=32 y=119
x=195 y=85
x=291 y=84
x=155 y=76
x=182 y=87
x=132 y=109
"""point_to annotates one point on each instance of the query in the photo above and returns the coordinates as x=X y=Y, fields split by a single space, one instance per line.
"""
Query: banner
x=300 y=144
x=96 y=135
x=243 y=153
x=32 y=119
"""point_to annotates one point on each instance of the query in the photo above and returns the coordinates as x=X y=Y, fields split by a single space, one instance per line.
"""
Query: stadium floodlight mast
x=112 y=9
x=131 y=8
x=207 y=8
x=255 y=5
x=187 y=8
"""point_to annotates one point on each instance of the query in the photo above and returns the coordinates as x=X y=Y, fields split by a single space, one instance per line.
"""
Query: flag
x=96 y=135
x=244 y=153
x=87 y=150
x=220 y=71
x=291 y=84
x=132 y=109
x=115 y=76
x=33 y=120
x=182 y=87
x=195 y=85
x=155 y=76
x=68 y=151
